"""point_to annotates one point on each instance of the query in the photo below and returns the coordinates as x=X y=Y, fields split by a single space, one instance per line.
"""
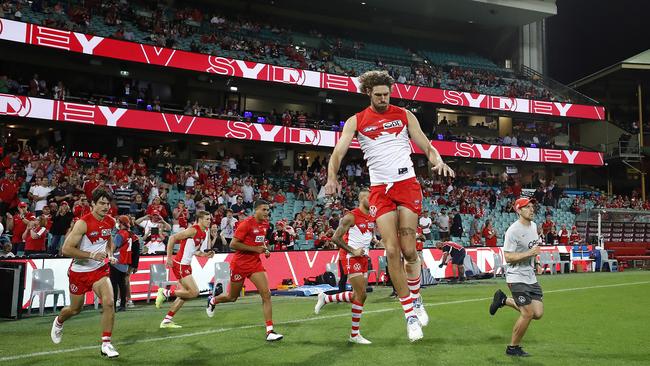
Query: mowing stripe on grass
x=316 y=318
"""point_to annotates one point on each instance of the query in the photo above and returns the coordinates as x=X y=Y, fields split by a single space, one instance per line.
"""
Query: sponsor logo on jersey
x=392 y=124
x=259 y=239
x=357 y=266
x=106 y=232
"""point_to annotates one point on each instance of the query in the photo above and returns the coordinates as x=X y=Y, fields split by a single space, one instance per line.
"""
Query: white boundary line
x=316 y=318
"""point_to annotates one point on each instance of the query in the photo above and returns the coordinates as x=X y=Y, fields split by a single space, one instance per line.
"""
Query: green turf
x=581 y=325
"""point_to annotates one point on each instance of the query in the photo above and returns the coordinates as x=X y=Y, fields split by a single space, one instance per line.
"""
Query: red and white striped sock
x=407 y=305
x=59 y=323
x=169 y=292
x=414 y=287
x=169 y=317
x=357 y=310
x=269 y=326
x=106 y=337
x=340 y=297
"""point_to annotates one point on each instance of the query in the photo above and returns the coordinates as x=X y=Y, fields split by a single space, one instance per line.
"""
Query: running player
x=395 y=199
x=89 y=244
x=358 y=227
x=249 y=241
x=457 y=253
x=181 y=264
x=521 y=247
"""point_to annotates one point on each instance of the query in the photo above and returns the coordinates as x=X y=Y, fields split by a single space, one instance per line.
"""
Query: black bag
x=326 y=278
x=308 y=281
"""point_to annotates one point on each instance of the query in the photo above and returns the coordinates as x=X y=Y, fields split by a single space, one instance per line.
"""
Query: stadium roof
x=497 y=13
x=623 y=76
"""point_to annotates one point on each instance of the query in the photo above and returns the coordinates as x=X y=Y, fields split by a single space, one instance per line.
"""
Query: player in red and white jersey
x=353 y=236
x=181 y=265
x=384 y=132
x=89 y=244
x=249 y=241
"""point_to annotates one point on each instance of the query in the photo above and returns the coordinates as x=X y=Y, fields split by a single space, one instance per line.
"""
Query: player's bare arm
x=341 y=148
x=173 y=239
x=421 y=141
x=73 y=240
x=344 y=226
x=235 y=244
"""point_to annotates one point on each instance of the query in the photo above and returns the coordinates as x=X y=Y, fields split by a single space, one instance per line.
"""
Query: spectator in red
x=476 y=239
x=17 y=224
x=46 y=214
x=575 y=238
x=490 y=234
x=280 y=239
x=157 y=206
x=34 y=235
x=279 y=197
x=564 y=235
x=180 y=213
x=81 y=208
x=547 y=225
x=90 y=185
x=9 y=187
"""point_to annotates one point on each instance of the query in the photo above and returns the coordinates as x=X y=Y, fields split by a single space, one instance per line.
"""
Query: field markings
x=315 y=318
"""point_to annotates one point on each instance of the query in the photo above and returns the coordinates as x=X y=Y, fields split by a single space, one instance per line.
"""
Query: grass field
x=590 y=319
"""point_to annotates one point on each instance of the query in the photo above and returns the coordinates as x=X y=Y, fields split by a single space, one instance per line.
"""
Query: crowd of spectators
x=166 y=26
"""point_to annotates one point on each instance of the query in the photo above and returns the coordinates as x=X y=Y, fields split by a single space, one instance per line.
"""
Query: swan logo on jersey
x=370 y=128
x=392 y=124
x=93 y=233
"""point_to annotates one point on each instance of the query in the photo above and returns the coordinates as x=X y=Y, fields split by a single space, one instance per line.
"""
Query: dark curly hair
x=371 y=79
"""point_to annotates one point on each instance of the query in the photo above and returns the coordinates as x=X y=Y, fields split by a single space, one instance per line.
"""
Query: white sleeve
x=509 y=242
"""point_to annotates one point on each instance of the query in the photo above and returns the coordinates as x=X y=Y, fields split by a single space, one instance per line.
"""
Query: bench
x=634 y=258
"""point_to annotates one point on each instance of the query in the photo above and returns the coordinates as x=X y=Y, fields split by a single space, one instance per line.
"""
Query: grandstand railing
x=556 y=87
x=628 y=150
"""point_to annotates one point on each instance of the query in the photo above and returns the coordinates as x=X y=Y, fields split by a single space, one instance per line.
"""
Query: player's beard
x=380 y=107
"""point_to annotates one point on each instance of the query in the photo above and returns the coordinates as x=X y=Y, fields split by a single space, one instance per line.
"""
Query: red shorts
x=82 y=282
x=354 y=265
x=406 y=193
x=181 y=270
x=239 y=271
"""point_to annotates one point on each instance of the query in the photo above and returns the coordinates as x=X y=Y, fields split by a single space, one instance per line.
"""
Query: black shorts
x=524 y=294
x=458 y=257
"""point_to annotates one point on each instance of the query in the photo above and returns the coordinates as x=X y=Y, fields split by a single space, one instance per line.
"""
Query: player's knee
x=393 y=253
x=193 y=293
x=411 y=256
x=107 y=303
x=538 y=315
x=527 y=314
x=361 y=297
x=75 y=311
x=265 y=295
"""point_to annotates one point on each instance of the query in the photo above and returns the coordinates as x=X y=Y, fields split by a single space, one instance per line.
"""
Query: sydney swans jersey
x=94 y=241
x=189 y=246
x=385 y=143
x=359 y=236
